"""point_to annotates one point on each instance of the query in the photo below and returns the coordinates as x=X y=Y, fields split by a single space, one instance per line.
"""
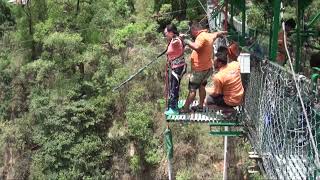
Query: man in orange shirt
x=201 y=63
x=227 y=90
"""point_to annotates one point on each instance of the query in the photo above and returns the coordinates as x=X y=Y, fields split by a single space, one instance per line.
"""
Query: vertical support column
x=169 y=149
x=243 y=35
x=298 y=40
x=225 y=161
x=314 y=80
x=275 y=29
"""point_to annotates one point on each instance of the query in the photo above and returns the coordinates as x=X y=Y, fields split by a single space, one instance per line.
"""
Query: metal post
x=315 y=18
x=170 y=169
x=314 y=80
x=275 y=29
x=242 y=42
x=169 y=149
x=298 y=43
x=225 y=162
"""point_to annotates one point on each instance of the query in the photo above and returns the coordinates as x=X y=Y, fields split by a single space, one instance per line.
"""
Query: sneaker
x=171 y=112
x=180 y=105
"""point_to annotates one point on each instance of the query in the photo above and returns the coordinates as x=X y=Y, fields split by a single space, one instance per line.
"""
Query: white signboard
x=244 y=59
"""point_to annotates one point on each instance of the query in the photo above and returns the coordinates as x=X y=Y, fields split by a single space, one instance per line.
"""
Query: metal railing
x=277 y=127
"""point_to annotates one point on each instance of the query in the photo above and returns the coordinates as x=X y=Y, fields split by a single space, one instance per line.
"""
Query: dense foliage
x=59 y=61
x=57 y=71
x=60 y=119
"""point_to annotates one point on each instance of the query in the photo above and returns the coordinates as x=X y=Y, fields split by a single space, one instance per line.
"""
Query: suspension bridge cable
x=203 y=7
x=172 y=12
x=317 y=162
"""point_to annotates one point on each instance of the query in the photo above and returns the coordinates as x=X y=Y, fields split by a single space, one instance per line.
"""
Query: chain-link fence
x=277 y=127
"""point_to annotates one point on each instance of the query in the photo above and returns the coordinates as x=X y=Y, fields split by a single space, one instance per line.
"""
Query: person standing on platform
x=176 y=62
x=201 y=64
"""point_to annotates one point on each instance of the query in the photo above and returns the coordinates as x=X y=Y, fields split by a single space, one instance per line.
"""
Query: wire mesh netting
x=277 y=125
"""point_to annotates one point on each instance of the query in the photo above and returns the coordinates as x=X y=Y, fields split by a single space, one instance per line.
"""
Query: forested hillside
x=59 y=118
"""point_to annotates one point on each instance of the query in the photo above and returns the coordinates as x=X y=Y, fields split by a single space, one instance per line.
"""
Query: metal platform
x=227 y=133
x=206 y=116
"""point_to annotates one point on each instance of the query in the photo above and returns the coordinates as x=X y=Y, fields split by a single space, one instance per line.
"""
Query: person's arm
x=192 y=45
x=220 y=34
x=175 y=43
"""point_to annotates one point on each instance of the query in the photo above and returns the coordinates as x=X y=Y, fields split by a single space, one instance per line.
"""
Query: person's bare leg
x=202 y=95
x=189 y=100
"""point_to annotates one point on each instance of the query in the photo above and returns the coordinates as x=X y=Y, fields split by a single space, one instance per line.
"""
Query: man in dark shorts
x=201 y=63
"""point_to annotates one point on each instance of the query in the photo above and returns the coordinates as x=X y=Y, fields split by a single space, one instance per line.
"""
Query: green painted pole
x=275 y=29
x=314 y=20
x=169 y=149
x=242 y=42
x=298 y=40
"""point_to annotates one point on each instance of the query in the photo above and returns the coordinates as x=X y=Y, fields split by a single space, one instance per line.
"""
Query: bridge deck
x=291 y=167
x=207 y=115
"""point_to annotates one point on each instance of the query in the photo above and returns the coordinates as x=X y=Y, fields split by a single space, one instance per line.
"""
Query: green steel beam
x=275 y=29
x=298 y=36
x=227 y=133
x=316 y=17
x=224 y=123
x=242 y=42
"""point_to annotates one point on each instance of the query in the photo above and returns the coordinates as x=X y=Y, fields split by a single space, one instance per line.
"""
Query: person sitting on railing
x=227 y=90
x=290 y=24
x=201 y=64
